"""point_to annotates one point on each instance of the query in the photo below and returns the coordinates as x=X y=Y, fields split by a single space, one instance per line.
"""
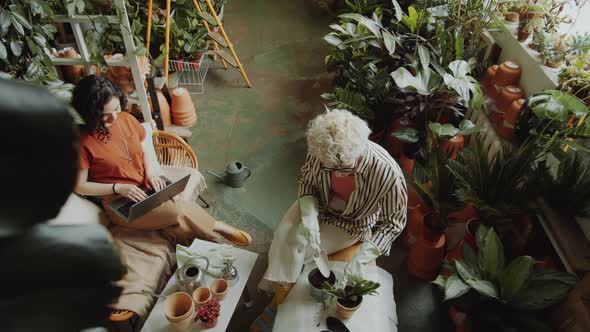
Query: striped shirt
x=377 y=204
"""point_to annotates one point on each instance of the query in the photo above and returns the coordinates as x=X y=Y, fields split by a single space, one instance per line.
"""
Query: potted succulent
x=556 y=51
x=527 y=25
x=512 y=290
x=209 y=313
x=575 y=78
x=349 y=296
x=317 y=281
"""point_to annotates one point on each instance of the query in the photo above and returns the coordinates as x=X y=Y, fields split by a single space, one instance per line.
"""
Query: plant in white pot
x=349 y=295
x=498 y=294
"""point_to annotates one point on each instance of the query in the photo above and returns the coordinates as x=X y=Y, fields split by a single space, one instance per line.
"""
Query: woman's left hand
x=156 y=183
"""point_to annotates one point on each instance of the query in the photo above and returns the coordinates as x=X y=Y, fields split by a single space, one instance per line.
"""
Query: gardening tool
x=235 y=174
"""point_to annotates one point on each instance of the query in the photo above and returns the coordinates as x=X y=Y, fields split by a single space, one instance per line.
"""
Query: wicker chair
x=171 y=150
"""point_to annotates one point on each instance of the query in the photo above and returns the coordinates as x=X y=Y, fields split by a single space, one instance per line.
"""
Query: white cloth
x=216 y=256
x=289 y=250
x=301 y=313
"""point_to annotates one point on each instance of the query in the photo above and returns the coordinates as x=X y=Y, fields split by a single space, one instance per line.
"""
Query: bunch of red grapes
x=209 y=312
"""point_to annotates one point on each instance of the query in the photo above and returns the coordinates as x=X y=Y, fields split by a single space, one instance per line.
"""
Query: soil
x=350 y=304
x=316 y=279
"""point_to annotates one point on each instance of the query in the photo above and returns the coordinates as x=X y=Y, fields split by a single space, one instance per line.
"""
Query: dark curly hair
x=90 y=96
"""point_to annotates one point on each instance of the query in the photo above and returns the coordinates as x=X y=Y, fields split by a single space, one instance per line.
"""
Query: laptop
x=130 y=210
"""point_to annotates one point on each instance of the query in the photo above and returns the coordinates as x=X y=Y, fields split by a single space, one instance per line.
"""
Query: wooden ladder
x=220 y=39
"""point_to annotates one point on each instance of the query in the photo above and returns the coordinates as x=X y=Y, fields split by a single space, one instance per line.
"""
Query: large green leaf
x=491 y=256
x=515 y=276
x=5 y=19
x=556 y=105
x=332 y=39
x=455 y=287
x=408 y=135
x=467 y=127
x=460 y=81
x=466 y=272
x=446 y=130
x=480 y=235
x=397 y=10
x=440 y=281
x=15 y=47
x=546 y=287
x=424 y=55
x=22 y=20
x=483 y=287
x=367 y=22
x=3 y=52
x=389 y=40
x=425 y=82
x=469 y=255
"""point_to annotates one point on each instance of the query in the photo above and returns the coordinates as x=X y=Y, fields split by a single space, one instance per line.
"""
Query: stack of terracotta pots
x=501 y=84
x=71 y=73
x=164 y=108
x=183 y=109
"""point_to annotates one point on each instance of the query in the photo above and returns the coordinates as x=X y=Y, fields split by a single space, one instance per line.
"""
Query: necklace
x=128 y=157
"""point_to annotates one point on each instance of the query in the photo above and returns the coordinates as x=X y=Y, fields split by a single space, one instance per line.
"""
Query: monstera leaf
x=425 y=81
x=461 y=82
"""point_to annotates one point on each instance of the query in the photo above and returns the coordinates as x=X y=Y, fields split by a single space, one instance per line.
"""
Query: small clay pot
x=219 y=288
x=201 y=296
x=344 y=312
x=71 y=73
x=512 y=111
x=523 y=35
x=511 y=17
x=496 y=117
x=487 y=82
x=552 y=64
x=453 y=145
x=179 y=310
x=406 y=164
x=393 y=145
x=508 y=73
x=426 y=255
x=508 y=95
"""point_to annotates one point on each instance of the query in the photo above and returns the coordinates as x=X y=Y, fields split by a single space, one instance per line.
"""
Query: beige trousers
x=181 y=220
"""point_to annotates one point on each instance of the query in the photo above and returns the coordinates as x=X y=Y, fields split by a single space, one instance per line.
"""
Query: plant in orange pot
x=349 y=295
x=450 y=138
x=436 y=187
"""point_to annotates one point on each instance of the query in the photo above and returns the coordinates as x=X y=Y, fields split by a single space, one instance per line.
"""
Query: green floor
x=280 y=45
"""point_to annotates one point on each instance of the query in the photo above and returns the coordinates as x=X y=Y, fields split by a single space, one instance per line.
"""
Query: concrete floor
x=280 y=45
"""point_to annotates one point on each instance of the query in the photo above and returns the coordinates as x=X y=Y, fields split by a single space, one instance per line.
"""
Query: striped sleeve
x=306 y=185
x=393 y=216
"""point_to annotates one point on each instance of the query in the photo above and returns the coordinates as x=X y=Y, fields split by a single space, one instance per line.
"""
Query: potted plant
x=527 y=25
x=539 y=41
x=317 y=281
x=512 y=290
x=575 y=78
x=556 y=51
x=209 y=313
x=451 y=139
x=349 y=296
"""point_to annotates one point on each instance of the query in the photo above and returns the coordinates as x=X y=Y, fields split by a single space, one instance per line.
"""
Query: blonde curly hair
x=337 y=137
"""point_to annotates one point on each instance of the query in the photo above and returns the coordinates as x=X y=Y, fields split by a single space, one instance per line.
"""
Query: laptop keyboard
x=125 y=209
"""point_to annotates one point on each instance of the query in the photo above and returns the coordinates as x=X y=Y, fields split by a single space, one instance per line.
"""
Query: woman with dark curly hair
x=112 y=163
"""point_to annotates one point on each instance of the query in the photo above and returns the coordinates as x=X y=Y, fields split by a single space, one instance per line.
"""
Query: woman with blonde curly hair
x=350 y=190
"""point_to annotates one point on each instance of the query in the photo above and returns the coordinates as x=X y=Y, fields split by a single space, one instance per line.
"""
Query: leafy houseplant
x=350 y=295
x=575 y=78
x=527 y=25
x=508 y=290
x=556 y=51
x=539 y=41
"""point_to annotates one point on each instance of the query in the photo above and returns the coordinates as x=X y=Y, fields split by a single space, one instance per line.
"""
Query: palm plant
x=497 y=186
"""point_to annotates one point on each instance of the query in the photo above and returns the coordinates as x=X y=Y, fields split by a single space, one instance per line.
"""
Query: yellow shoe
x=238 y=236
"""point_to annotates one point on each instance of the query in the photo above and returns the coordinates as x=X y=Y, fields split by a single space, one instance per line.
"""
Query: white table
x=244 y=263
x=301 y=313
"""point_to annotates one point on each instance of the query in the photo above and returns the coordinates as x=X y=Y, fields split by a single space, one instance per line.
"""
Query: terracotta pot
x=455 y=231
x=508 y=73
x=122 y=75
x=183 y=108
x=426 y=257
x=201 y=296
x=552 y=64
x=345 y=313
x=71 y=73
x=496 y=116
x=505 y=131
x=487 y=83
x=508 y=95
x=453 y=146
x=415 y=220
x=179 y=310
x=459 y=318
x=392 y=144
x=377 y=136
x=196 y=63
x=413 y=199
x=219 y=288
x=523 y=35
x=210 y=324
x=511 y=17
x=512 y=111
x=406 y=164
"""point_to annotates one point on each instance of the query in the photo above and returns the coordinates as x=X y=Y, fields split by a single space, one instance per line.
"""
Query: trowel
x=321 y=260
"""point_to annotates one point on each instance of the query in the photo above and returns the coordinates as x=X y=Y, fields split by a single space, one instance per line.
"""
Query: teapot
x=235 y=174
x=190 y=276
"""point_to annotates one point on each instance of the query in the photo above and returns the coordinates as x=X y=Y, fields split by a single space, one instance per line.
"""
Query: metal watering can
x=235 y=174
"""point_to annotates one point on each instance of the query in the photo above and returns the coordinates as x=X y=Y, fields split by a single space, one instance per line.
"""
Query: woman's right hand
x=130 y=191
